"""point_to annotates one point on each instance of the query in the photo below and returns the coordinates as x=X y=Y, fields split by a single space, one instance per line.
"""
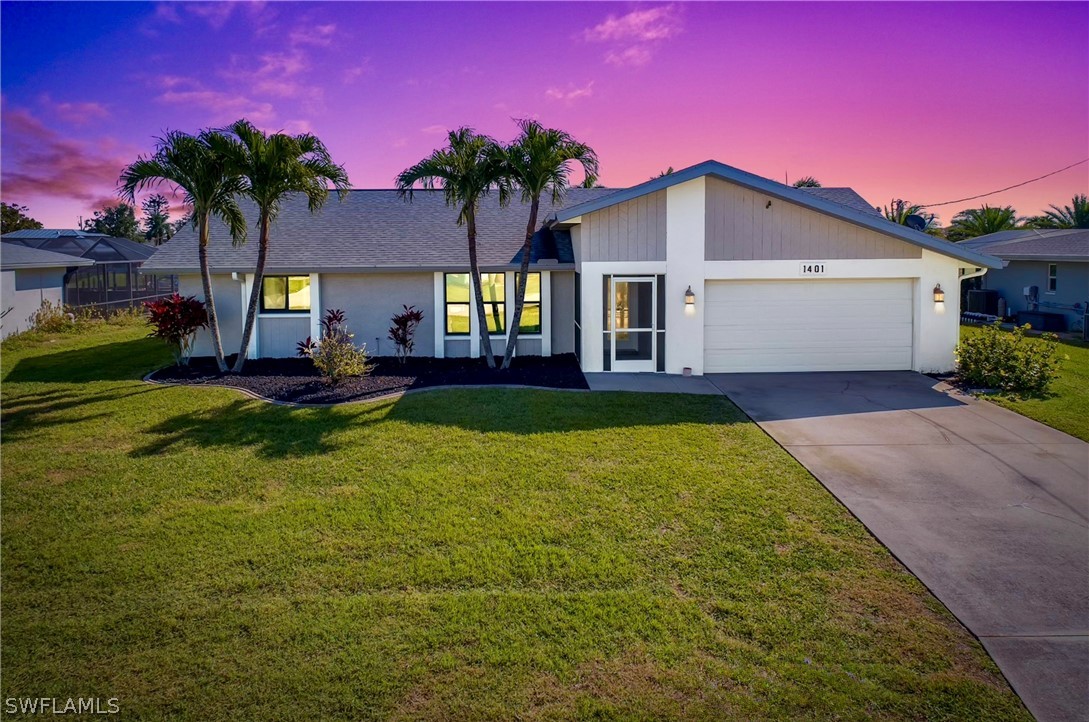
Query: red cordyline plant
x=403 y=330
x=176 y=320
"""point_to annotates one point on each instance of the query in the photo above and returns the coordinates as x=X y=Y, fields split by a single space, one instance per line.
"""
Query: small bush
x=335 y=356
x=52 y=318
x=403 y=331
x=1012 y=362
x=176 y=320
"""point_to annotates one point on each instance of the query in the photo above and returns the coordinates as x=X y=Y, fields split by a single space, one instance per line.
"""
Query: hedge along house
x=708 y=269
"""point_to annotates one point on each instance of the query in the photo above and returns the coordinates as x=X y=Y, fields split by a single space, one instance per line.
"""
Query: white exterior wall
x=936 y=329
x=686 y=211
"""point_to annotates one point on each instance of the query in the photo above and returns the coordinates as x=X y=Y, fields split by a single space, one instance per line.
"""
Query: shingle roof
x=375 y=229
x=15 y=255
x=82 y=244
x=799 y=196
x=1058 y=244
x=846 y=197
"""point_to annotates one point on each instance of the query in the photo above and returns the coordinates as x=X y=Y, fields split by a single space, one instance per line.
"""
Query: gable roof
x=81 y=244
x=16 y=256
x=377 y=230
x=1036 y=244
x=800 y=196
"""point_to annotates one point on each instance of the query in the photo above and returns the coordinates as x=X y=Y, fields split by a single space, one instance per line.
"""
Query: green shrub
x=1009 y=361
x=335 y=356
x=52 y=318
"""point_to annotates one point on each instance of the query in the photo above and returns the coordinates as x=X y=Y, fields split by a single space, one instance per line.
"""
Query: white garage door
x=828 y=325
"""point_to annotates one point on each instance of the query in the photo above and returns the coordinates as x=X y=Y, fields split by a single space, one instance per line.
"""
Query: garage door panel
x=807 y=325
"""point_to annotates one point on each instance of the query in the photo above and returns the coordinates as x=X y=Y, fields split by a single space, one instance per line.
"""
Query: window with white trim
x=285 y=294
x=531 y=309
x=1052 y=277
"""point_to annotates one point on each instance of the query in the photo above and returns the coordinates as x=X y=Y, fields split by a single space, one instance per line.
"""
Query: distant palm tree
x=898 y=211
x=210 y=186
x=667 y=171
x=273 y=167
x=807 y=182
x=1075 y=215
x=538 y=162
x=467 y=169
x=975 y=222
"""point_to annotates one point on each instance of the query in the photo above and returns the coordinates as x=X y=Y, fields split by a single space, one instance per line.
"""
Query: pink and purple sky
x=923 y=101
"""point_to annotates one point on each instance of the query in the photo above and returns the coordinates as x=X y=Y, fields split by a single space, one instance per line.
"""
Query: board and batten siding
x=741 y=227
x=634 y=230
x=278 y=336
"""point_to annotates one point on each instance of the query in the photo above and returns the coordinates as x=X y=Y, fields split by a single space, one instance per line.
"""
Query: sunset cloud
x=75 y=113
x=634 y=36
x=318 y=35
x=571 y=94
x=220 y=106
x=39 y=162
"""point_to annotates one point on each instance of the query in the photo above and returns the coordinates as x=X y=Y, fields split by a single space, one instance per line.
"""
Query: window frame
x=490 y=310
x=1052 y=277
x=286 y=310
x=539 y=303
x=447 y=303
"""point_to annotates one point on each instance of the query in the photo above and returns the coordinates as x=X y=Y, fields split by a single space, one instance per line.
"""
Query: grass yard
x=494 y=554
x=1066 y=406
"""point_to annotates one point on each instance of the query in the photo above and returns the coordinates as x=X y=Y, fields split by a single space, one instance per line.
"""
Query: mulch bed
x=297 y=381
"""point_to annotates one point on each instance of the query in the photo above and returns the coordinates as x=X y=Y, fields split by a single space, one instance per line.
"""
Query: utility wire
x=1002 y=190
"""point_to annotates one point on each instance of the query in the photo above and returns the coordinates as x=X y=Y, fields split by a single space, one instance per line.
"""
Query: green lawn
x=1066 y=405
x=457 y=555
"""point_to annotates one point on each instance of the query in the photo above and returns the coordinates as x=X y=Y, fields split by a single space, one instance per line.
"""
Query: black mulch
x=296 y=380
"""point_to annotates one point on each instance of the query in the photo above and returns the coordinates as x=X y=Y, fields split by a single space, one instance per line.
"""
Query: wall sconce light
x=939 y=294
x=689 y=297
x=768 y=205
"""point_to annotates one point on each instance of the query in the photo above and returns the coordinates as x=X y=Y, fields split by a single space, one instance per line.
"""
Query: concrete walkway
x=988 y=508
x=652 y=383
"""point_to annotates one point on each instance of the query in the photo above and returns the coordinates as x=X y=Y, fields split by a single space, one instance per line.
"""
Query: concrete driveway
x=988 y=508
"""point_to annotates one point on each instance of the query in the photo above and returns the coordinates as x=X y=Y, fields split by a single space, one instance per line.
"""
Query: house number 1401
x=812 y=269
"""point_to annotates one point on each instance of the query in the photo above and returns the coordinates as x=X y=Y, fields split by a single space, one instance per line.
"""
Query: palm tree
x=667 y=171
x=273 y=167
x=898 y=211
x=1075 y=215
x=807 y=182
x=538 y=162
x=467 y=169
x=210 y=186
x=975 y=222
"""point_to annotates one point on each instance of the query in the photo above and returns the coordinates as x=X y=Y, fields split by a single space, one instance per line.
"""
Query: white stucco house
x=708 y=269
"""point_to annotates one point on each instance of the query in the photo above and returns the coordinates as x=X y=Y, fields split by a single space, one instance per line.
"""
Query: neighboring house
x=115 y=280
x=1044 y=274
x=708 y=269
x=30 y=277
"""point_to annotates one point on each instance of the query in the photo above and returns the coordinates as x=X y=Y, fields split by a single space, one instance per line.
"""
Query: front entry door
x=633 y=316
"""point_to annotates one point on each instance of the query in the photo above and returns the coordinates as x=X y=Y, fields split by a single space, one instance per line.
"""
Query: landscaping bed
x=296 y=380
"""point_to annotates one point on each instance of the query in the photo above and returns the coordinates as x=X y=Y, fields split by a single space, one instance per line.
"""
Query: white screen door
x=633 y=321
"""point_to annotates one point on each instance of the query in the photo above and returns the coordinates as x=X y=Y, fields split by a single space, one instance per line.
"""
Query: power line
x=1002 y=190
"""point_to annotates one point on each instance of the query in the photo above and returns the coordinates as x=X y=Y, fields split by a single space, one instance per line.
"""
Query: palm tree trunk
x=482 y=316
x=520 y=292
x=255 y=294
x=209 y=302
